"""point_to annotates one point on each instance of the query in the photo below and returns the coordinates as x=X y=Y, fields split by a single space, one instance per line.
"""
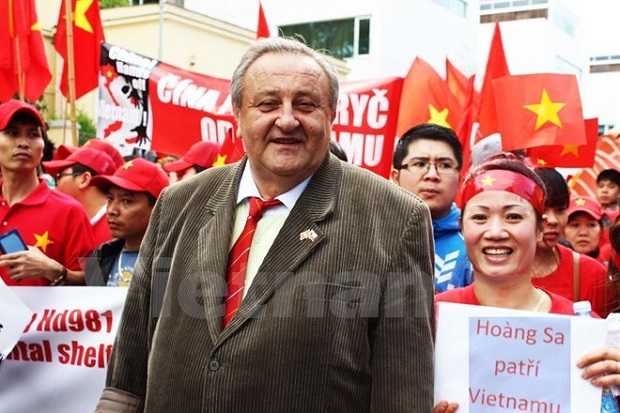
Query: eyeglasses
x=421 y=167
x=58 y=176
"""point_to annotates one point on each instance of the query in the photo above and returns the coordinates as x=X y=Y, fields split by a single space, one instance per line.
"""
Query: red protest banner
x=152 y=105
x=156 y=106
x=365 y=124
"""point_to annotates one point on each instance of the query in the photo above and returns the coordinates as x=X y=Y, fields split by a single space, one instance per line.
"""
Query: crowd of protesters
x=86 y=225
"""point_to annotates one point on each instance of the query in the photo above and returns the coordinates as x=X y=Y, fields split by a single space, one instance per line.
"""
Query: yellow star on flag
x=571 y=148
x=127 y=165
x=488 y=181
x=81 y=21
x=580 y=201
x=43 y=241
x=541 y=162
x=220 y=161
x=546 y=110
x=437 y=117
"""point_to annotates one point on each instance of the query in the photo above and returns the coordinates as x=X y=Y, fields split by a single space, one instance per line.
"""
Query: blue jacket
x=452 y=267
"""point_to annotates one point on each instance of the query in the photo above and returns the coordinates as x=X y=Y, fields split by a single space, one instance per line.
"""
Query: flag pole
x=71 y=74
x=21 y=90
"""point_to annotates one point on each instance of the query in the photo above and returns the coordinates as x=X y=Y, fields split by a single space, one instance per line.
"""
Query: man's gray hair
x=281 y=45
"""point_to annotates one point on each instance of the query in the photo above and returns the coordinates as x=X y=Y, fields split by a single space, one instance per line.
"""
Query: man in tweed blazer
x=339 y=316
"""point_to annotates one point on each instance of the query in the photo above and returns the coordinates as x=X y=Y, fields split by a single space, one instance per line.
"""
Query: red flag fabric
x=231 y=150
x=263 y=27
x=570 y=155
x=457 y=82
x=497 y=67
x=465 y=127
x=87 y=38
x=607 y=156
x=539 y=110
x=426 y=98
x=23 y=63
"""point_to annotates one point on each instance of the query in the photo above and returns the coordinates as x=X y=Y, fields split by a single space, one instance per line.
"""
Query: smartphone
x=11 y=241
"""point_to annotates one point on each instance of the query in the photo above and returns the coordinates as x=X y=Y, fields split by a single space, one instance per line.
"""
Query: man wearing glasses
x=427 y=162
x=73 y=177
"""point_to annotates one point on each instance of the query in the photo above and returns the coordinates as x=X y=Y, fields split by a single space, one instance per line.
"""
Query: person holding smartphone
x=53 y=226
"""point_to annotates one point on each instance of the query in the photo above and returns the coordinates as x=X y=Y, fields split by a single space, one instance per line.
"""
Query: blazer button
x=214 y=365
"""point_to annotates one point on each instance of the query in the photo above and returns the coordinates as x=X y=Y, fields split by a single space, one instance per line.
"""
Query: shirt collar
x=247 y=188
x=38 y=196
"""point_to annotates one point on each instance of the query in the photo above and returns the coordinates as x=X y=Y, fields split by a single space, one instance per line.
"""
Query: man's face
x=607 y=193
x=67 y=182
x=128 y=214
x=21 y=145
x=438 y=189
x=187 y=173
x=285 y=117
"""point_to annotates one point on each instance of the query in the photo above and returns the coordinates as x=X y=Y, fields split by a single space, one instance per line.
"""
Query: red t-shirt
x=467 y=295
x=592 y=275
x=52 y=221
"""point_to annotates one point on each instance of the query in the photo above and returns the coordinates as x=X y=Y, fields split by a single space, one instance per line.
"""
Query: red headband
x=502 y=180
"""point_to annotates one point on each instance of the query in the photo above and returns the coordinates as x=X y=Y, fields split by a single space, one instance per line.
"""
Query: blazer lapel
x=316 y=203
x=213 y=249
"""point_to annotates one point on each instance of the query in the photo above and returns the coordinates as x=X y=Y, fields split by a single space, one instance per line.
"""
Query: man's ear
x=239 y=131
x=395 y=176
x=84 y=180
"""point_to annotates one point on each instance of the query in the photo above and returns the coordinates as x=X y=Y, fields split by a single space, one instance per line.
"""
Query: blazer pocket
x=338 y=300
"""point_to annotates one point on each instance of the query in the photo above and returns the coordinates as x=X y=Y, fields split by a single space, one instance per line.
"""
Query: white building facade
x=387 y=34
x=540 y=36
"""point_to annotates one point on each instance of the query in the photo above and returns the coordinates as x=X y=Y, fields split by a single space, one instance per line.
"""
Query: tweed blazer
x=340 y=322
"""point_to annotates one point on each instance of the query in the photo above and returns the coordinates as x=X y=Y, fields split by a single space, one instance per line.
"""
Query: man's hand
x=30 y=264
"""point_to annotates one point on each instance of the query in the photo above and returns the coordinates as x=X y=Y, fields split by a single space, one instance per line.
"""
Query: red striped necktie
x=238 y=258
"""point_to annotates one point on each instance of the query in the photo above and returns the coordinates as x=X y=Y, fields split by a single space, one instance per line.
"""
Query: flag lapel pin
x=308 y=234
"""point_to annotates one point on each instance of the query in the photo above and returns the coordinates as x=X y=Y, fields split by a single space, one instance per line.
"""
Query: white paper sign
x=59 y=363
x=493 y=360
x=14 y=316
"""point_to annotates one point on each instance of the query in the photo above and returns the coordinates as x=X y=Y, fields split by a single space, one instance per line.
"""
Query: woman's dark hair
x=557 y=190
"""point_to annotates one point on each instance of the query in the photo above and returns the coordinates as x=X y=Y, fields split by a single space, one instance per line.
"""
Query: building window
x=514 y=15
x=339 y=38
x=489 y=5
x=457 y=6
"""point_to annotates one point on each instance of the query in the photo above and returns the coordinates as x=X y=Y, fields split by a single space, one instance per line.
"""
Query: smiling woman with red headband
x=503 y=204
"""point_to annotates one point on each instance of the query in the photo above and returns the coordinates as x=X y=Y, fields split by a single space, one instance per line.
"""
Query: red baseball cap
x=203 y=154
x=10 y=108
x=587 y=205
x=65 y=150
x=96 y=160
x=138 y=175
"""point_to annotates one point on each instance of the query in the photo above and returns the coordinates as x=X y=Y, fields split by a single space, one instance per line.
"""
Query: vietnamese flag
x=426 y=98
x=263 y=27
x=457 y=82
x=570 y=155
x=497 y=67
x=87 y=38
x=538 y=110
x=231 y=150
x=23 y=63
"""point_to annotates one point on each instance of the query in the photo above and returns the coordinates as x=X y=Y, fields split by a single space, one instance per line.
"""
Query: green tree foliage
x=108 y=4
x=87 y=130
